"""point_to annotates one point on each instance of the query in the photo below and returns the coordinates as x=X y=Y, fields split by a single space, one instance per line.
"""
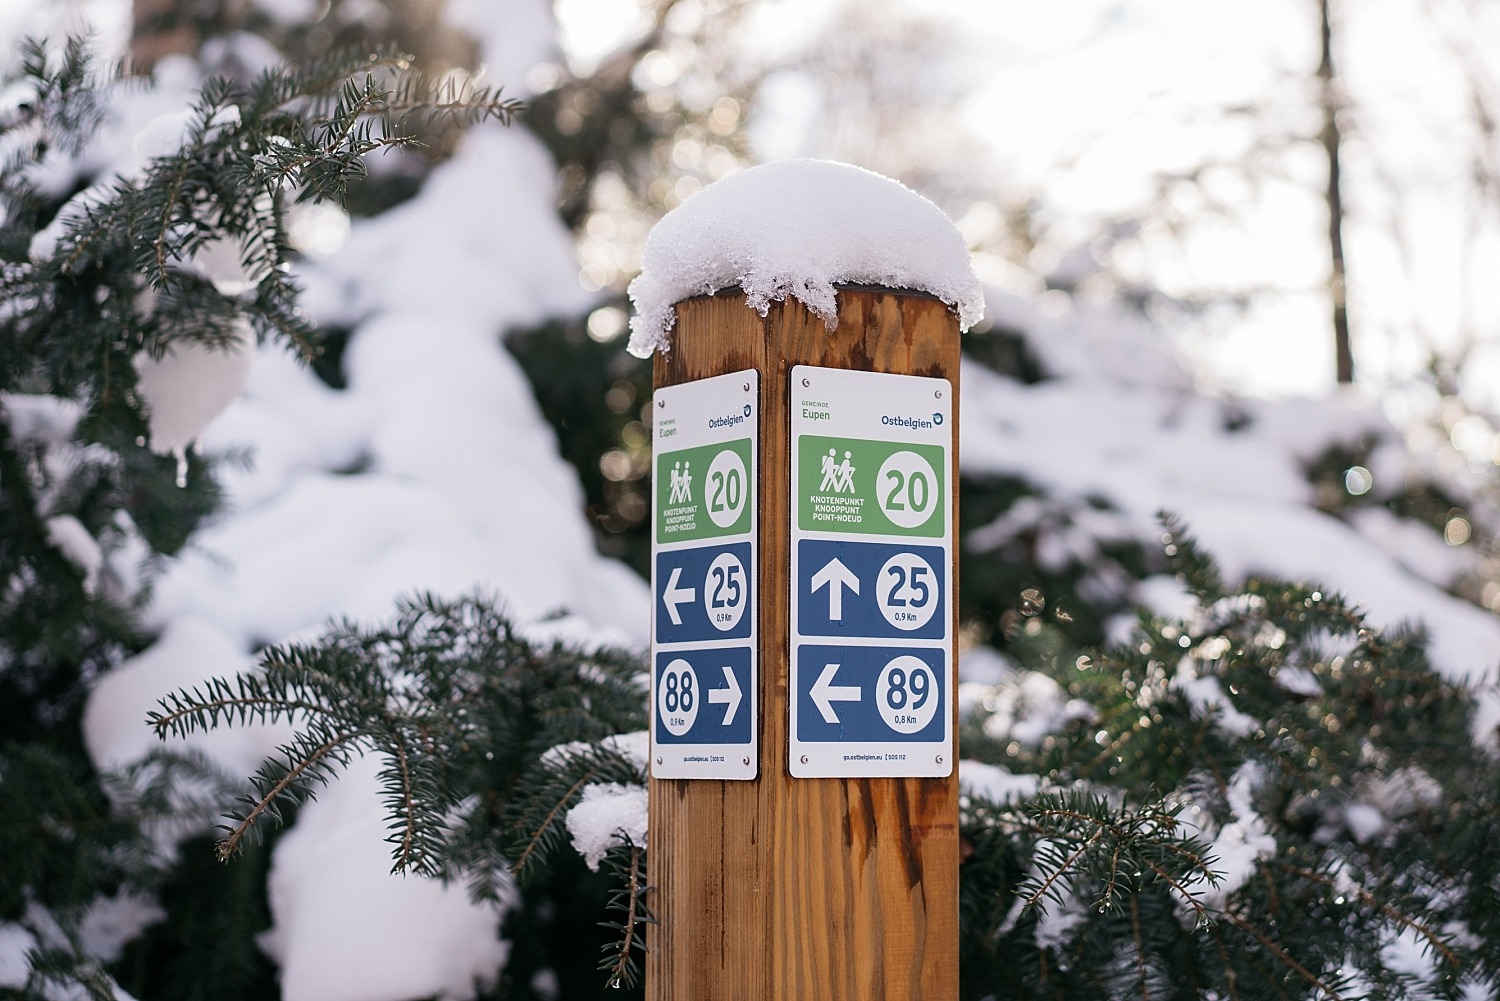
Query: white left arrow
x=825 y=693
x=730 y=696
x=674 y=595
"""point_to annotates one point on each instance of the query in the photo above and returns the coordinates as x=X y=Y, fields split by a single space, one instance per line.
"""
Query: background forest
x=323 y=481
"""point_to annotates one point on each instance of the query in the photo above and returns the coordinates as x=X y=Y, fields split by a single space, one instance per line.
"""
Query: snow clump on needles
x=798 y=228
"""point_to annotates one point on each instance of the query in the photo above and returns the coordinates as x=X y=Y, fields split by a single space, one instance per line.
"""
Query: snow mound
x=349 y=929
x=607 y=815
x=191 y=384
x=798 y=228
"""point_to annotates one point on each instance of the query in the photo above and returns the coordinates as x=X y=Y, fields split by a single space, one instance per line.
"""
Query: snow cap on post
x=798 y=228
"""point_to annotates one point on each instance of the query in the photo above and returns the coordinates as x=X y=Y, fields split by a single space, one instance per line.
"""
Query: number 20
x=727 y=491
x=917 y=491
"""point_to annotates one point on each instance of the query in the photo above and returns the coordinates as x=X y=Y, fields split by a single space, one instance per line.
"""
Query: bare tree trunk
x=1331 y=137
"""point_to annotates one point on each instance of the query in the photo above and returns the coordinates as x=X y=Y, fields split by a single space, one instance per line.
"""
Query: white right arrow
x=674 y=595
x=835 y=576
x=730 y=696
x=825 y=693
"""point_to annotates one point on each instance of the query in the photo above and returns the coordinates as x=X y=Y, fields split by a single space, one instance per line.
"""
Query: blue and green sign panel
x=704 y=708
x=872 y=574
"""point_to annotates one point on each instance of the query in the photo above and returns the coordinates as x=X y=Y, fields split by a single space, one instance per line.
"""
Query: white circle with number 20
x=907 y=591
x=726 y=488
x=907 y=694
x=907 y=489
x=725 y=591
x=677 y=697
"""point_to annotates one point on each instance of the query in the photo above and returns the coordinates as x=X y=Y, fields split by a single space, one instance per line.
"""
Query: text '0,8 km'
x=872 y=574
x=704 y=710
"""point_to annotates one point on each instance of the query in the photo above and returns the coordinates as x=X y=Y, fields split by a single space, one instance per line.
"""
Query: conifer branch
x=620 y=962
x=453 y=100
x=176 y=179
x=1271 y=946
x=1400 y=917
x=230 y=845
x=536 y=839
x=1046 y=887
x=1126 y=836
x=447 y=693
x=408 y=812
x=184 y=716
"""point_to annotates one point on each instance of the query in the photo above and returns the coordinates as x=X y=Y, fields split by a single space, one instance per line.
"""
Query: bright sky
x=1087 y=100
x=1115 y=81
x=1107 y=86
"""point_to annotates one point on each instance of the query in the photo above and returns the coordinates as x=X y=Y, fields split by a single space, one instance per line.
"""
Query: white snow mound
x=798 y=228
x=191 y=384
x=606 y=815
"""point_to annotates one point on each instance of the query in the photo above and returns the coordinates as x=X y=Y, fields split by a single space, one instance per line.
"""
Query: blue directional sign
x=871 y=694
x=870 y=589
x=702 y=696
x=704 y=578
x=703 y=593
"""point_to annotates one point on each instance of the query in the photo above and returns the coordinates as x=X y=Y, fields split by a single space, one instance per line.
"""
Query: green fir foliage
x=486 y=738
x=94 y=277
x=205 y=946
x=1274 y=725
x=92 y=285
x=71 y=840
x=629 y=914
x=462 y=709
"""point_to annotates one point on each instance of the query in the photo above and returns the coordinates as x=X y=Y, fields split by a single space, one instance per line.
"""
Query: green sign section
x=703 y=492
x=879 y=487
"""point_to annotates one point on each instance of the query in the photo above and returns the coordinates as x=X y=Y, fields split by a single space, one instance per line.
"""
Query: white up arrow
x=730 y=696
x=674 y=595
x=825 y=693
x=835 y=576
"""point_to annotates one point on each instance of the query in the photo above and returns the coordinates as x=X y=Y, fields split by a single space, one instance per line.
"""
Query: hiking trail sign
x=833 y=872
x=872 y=579
x=704 y=683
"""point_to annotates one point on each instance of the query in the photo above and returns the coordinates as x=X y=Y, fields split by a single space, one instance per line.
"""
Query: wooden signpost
x=772 y=887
